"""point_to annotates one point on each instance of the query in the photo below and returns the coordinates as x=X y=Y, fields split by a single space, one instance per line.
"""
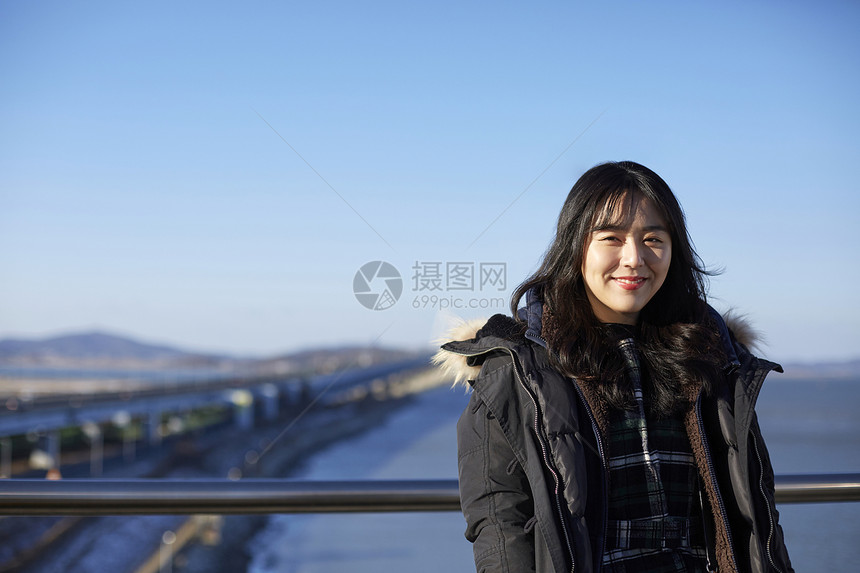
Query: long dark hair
x=675 y=337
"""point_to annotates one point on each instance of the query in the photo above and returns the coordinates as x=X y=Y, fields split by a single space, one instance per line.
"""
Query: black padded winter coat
x=533 y=484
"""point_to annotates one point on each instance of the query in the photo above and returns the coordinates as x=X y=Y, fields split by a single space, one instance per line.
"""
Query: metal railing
x=247 y=496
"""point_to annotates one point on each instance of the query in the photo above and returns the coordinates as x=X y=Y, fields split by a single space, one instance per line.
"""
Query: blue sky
x=214 y=174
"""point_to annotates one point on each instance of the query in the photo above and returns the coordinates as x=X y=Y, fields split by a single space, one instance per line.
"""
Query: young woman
x=611 y=424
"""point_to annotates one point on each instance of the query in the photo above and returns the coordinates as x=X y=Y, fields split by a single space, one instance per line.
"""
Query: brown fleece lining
x=599 y=407
x=723 y=550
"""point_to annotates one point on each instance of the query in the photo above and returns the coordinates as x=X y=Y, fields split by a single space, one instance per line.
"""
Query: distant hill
x=822 y=370
x=97 y=350
x=87 y=345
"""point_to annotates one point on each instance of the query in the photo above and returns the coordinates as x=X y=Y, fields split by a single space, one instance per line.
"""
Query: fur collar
x=742 y=329
x=456 y=365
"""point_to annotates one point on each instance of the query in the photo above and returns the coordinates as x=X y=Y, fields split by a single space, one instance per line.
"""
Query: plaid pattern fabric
x=654 y=518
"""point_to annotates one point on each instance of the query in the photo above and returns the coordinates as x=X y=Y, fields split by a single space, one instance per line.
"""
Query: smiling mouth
x=630 y=283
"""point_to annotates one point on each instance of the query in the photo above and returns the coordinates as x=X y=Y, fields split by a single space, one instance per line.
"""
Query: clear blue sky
x=143 y=192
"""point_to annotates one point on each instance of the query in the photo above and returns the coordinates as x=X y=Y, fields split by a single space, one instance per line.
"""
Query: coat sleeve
x=494 y=493
x=770 y=531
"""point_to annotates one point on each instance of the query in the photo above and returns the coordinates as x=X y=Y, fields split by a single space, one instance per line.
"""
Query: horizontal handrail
x=247 y=496
x=817 y=488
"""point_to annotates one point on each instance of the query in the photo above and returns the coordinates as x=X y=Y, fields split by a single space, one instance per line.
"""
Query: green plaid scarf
x=654 y=518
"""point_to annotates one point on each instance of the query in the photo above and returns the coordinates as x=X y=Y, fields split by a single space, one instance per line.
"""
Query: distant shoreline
x=821 y=371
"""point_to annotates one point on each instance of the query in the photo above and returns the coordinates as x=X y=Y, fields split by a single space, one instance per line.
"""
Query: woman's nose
x=631 y=254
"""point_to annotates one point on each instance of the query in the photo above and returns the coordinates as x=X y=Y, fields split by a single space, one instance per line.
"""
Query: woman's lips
x=630 y=283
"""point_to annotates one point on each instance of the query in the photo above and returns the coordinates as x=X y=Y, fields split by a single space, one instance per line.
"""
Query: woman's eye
x=653 y=240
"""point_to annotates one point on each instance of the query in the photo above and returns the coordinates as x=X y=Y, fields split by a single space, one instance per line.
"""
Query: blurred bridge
x=150 y=403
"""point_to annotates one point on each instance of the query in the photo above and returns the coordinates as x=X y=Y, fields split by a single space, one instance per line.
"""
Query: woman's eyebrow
x=607 y=227
x=651 y=228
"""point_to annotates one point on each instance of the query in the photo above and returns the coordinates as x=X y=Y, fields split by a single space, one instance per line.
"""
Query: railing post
x=269 y=397
x=53 y=448
x=153 y=424
x=94 y=432
x=125 y=423
x=165 y=553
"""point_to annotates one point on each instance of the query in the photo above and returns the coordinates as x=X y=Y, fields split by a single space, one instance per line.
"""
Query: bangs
x=618 y=209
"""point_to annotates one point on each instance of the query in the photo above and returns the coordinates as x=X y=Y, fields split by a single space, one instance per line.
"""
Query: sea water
x=809 y=427
x=418 y=442
x=814 y=427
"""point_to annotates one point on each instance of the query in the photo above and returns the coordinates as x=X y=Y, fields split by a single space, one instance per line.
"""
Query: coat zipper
x=543 y=451
x=554 y=475
x=712 y=475
x=770 y=518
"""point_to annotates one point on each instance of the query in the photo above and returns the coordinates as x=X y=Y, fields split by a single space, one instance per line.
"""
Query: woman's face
x=625 y=263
